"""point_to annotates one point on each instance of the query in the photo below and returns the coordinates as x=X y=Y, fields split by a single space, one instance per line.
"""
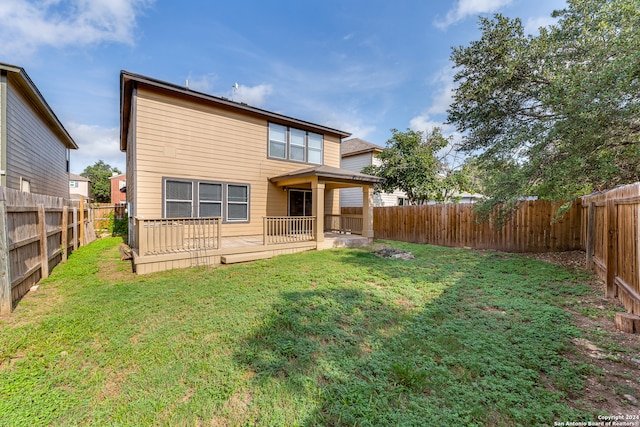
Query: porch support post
x=317 y=189
x=367 y=211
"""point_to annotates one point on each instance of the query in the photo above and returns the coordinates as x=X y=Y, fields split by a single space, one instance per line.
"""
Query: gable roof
x=19 y=77
x=74 y=177
x=130 y=80
x=354 y=146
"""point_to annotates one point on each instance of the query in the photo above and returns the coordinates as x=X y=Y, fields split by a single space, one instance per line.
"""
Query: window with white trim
x=298 y=145
x=206 y=199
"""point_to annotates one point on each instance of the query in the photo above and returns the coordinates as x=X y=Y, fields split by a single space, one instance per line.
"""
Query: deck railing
x=159 y=236
x=348 y=224
x=289 y=229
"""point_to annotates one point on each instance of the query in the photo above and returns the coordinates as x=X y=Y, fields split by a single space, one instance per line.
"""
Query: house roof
x=354 y=146
x=130 y=80
x=328 y=173
x=74 y=177
x=19 y=77
x=118 y=176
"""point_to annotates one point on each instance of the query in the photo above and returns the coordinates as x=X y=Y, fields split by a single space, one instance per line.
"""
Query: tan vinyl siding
x=177 y=138
x=34 y=152
x=131 y=175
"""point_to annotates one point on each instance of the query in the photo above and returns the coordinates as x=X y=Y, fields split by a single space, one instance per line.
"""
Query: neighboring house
x=355 y=155
x=79 y=186
x=211 y=180
x=118 y=189
x=34 y=146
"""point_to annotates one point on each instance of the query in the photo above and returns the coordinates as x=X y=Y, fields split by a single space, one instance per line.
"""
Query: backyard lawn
x=340 y=337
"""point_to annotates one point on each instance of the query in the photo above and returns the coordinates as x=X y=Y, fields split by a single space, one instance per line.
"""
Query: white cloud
x=466 y=8
x=95 y=143
x=28 y=25
x=443 y=94
x=532 y=26
x=252 y=95
x=440 y=102
x=202 y=84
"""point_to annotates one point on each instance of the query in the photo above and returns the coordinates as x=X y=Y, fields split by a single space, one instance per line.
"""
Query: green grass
x=339 y=337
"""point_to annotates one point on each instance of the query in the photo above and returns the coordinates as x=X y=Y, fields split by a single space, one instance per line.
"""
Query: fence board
x=616 y=234
x=532 y=229
x=34 y=238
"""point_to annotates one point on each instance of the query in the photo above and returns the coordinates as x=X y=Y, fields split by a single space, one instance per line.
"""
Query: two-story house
x=118 y=188
x=79 y=186
x=34 y=145
x=211 y=180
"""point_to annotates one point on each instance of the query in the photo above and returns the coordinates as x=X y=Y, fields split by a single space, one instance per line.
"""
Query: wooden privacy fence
x=101 y=215
x=533 y=228
x=36 y=233
x=611 y=237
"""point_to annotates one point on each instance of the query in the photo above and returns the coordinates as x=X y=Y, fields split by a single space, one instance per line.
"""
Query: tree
x=410 y=163
x=99 y=175
x=555 y=115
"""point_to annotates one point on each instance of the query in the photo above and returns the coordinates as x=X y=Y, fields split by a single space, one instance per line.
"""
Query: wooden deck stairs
x=251 y=256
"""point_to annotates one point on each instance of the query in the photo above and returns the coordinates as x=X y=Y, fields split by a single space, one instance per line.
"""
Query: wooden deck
x=238 y=249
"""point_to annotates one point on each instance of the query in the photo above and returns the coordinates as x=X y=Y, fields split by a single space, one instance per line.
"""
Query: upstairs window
x=293 y=144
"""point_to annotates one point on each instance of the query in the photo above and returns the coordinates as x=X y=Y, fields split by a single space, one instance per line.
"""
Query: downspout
x=3 y=128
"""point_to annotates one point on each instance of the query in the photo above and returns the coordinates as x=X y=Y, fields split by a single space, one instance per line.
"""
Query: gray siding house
x=34 y=145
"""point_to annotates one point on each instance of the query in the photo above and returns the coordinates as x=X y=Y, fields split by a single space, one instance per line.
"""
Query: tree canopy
x=557 y=114
x=412 y=162
x=99 y=175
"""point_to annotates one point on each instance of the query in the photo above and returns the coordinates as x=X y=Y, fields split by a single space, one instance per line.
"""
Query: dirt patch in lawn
x=613 y=384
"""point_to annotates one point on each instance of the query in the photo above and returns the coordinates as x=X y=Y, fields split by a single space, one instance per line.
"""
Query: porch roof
x=328 y=173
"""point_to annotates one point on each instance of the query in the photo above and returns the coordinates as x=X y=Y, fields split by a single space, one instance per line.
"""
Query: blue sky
x=362 y=66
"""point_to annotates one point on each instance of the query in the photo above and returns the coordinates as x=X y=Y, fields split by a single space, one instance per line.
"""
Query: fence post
x=44 y=251
x=612 y=247
x=6 y=300
x=590 y=235
x=65 y=232
x=75 y=228
x=81 y=209
x=219 y=231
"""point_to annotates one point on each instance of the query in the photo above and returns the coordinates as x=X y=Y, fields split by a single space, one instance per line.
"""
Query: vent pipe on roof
x=187 y=84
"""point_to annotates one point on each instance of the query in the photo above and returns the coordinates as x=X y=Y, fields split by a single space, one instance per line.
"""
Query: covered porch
x=168 y=243
x=318 y=182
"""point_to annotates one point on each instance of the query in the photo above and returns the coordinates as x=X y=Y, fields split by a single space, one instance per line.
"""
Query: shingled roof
x=354 y=146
